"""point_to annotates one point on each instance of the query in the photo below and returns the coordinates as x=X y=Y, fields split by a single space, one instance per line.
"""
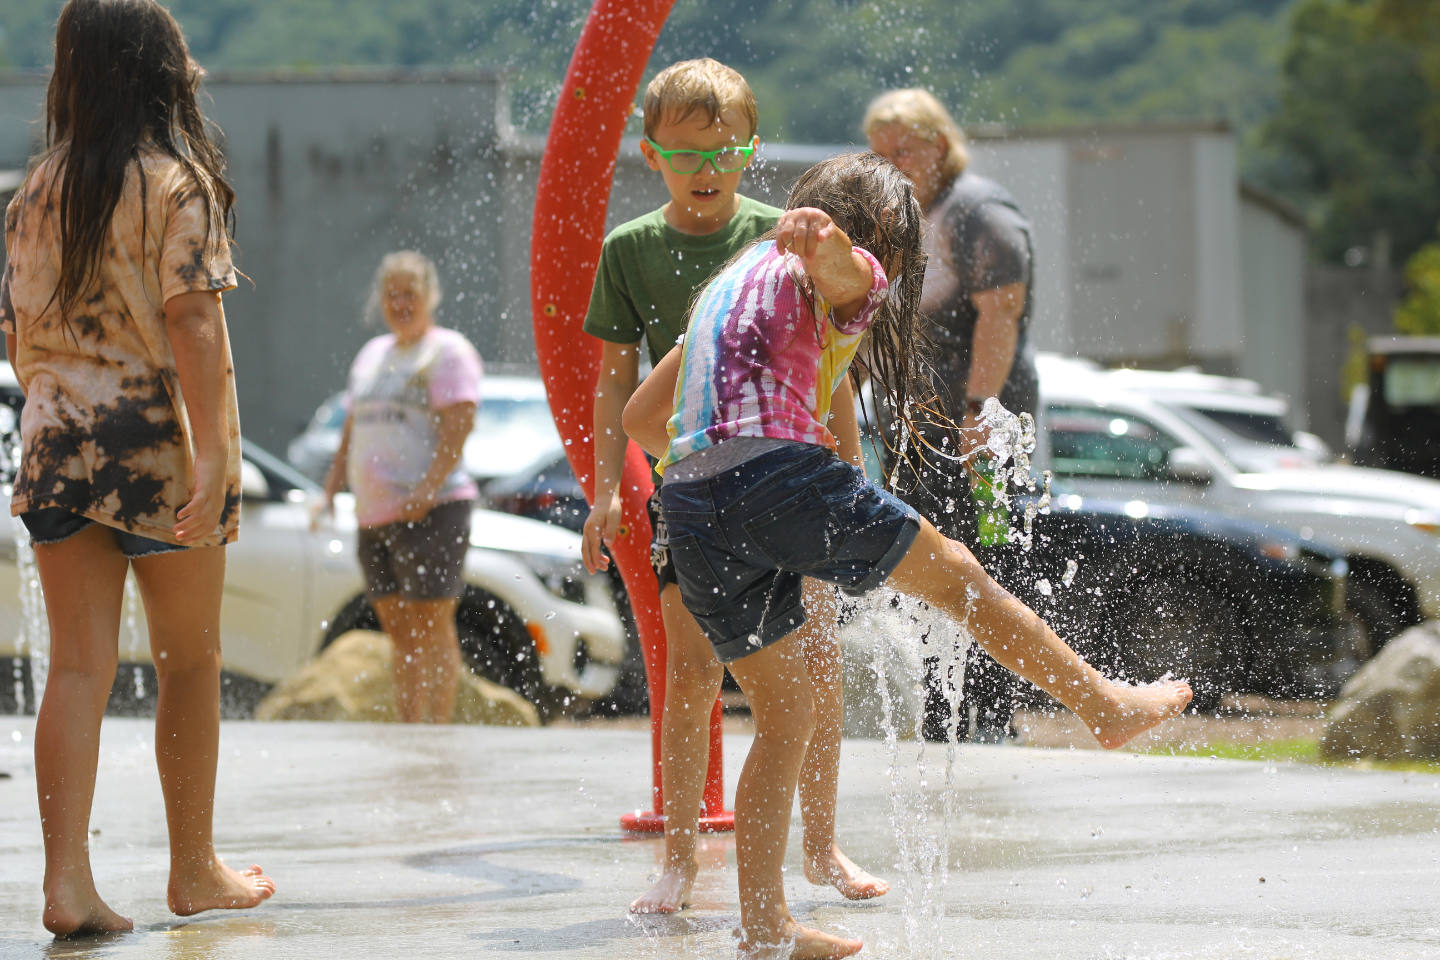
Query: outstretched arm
x=840 y=275
x=652 y=404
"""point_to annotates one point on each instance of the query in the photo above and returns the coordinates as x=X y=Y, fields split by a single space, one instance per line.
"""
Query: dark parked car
x=1225 y=603
x=1398 y=414
x=1144 y=589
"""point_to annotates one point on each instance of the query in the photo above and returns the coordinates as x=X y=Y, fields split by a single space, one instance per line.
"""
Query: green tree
x=1419 y=313
x=1351 y=129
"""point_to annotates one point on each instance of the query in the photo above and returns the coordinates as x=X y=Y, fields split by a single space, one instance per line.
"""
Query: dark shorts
x=424 y=560
x=56 y=524
x=742 y=541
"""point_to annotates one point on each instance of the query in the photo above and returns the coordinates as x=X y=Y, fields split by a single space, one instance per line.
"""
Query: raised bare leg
x=825 y=863
x=941 y=571
x=182 y=605
x=692 y=681
x=84 y=627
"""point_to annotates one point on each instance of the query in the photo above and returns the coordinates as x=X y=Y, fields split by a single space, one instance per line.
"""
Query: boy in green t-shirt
x=700 y=119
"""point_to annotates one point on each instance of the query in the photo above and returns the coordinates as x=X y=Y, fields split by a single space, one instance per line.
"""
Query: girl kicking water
x=755 y=498
x=117 y=253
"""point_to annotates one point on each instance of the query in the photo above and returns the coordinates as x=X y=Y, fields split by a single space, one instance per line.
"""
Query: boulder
x=1390 y=709
x=351 y=680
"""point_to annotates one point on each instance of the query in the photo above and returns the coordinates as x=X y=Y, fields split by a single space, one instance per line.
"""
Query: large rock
x=351 y=680
x=1390 y=709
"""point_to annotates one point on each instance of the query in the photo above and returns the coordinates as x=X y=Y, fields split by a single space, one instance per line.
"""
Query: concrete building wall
x=1272 y=290
x=329 y=176
x=1141 y=246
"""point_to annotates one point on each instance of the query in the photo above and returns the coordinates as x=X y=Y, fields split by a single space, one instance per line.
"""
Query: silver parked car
x=1116 y=444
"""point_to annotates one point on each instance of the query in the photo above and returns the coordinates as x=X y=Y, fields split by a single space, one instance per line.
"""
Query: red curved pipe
x=569 y=226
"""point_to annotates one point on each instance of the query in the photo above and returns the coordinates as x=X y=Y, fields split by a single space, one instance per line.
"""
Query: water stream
x=922 y=818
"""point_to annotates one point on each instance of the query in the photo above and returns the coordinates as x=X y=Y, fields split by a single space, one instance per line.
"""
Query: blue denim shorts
x=54 y=524
x=742 y=541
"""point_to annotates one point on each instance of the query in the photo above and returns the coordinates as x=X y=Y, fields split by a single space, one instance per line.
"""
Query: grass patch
x=1299 y=750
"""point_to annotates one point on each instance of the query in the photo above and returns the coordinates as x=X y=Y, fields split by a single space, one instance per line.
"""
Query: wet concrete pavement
x=387 y=841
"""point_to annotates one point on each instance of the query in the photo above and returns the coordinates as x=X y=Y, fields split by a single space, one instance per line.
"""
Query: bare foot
x=1136 y=709
x=218 y=887
x=670 y=893
x=78 y=911
x=840 y=872
x=799 y=943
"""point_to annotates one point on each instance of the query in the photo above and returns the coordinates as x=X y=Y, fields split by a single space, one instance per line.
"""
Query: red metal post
x=569 y=225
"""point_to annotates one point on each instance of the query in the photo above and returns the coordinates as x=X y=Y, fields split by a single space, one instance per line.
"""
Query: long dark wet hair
x=123 y=80
x=874 y=203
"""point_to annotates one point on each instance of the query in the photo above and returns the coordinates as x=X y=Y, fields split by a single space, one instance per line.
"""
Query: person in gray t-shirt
x=977 y=297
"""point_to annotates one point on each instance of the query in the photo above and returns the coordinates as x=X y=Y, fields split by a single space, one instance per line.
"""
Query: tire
x=1374 y=617
x=1184 y=629
x=493 y=643
x=631 y=696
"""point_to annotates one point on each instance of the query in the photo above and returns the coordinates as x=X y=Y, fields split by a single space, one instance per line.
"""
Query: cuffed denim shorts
x=56 y=524
x=743 y=540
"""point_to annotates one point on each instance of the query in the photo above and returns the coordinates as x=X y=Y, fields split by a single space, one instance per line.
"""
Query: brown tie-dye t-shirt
x=104 y=428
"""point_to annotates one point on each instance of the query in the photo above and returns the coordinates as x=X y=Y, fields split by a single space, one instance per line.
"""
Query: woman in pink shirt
x=410 y=405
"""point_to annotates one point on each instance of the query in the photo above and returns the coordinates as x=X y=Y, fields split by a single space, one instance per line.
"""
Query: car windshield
x=1098 y=443
x=1257 y=427
x=510 y=434
x=1412 y=382
x=277 y=469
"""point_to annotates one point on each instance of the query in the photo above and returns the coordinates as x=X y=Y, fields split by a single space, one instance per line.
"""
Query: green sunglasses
x=724 y=160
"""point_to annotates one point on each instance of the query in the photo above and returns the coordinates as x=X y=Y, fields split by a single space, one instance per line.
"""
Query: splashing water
x=34 y=628
x=132 y=631
x=894 y=627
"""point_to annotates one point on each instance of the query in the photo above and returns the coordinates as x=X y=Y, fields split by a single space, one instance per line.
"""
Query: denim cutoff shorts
x=56 y=524
x=743 y=540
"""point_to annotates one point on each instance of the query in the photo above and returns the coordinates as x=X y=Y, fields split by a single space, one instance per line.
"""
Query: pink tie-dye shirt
x=758 y=361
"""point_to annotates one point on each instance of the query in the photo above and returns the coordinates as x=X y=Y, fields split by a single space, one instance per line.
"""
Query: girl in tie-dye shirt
x=117 y=252
x=755 y=497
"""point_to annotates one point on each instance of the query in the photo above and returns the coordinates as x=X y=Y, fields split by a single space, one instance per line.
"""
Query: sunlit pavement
x=388 y=841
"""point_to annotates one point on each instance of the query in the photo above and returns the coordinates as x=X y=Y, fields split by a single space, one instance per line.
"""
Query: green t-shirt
x=649 y=272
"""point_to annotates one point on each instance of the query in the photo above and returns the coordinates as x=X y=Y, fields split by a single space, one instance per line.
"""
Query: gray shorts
x=424 y=560
x=742 y=541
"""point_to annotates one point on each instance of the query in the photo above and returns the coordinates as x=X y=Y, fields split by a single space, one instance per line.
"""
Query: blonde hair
x=919 y=112
x=702 y=85
x=409 y=263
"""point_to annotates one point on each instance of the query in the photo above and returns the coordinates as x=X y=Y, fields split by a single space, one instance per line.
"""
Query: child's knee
x=178 y=658
x=790 y=718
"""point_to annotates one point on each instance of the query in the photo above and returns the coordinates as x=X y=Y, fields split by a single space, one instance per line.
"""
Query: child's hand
x=201 y=513
x=601 y=528
x=808 y=232
x=840 y=275
x=320 y=507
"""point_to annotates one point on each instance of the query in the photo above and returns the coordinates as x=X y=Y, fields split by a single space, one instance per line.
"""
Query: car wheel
x=1374 y=619
x=631 y=695
x=496 y=645
x=493 y=642
x=1187 y=630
